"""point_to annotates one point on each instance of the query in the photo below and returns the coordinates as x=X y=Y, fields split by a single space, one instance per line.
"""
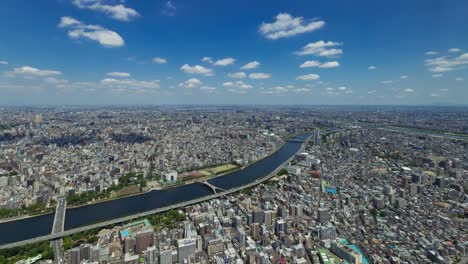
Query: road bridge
x=57 y=227
x=70 y=232
x=212 y=187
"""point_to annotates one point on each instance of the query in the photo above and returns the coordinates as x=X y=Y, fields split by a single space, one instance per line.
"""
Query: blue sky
x=233 y=52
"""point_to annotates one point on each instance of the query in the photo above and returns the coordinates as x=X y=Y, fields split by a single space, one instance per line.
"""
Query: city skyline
x=102 y=52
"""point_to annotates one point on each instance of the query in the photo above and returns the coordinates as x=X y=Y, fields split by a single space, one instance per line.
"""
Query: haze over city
x=233 y=52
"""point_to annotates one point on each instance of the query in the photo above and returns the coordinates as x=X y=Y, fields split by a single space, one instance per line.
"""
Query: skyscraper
x=323 y=215
x=317 y=136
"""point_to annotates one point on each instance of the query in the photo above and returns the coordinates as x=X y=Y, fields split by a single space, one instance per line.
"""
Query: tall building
x=268 y=217
x=317 y=136
x=255 y=228
x=129 y=244
x=85 y=252
x=144 y=239
x=186 y=249
x=323 y=215
x=257 y=216
x=75 y=255
x=165 y=256
x=241 y=236
x=280 y=227
x=151 y=255
x=327 y=232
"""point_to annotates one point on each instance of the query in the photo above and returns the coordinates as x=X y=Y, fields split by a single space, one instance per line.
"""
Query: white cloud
x=196 y=69
x=276 y=90
x=207 y=59
x=31 y=71
x=208 y=89
x=237 y=75
x=3 y=62
x=302 y=90
x=103 y=36
x=329 y=64
x=342 y=88
x=225 y=62
x=118 y=12
x=169 y=9
x=68 y=21
x=454 y=50
x=190 y=83
x=118 y=74
x=371 y=91
x=403 y=77
x=308 y=77
x=434 y=95
x=129 y=84
x=238 y=84
x=159 y=60
x=251 y=65
x=372 y=68
x=409 y=90
x=54 y=80
x=321 y=48
x=446 y=64
x=438 y=75
x=286 y=25
x=259 y=75
x=429 y=53
x=325 y=65
x=308 y=64
x=459 y=79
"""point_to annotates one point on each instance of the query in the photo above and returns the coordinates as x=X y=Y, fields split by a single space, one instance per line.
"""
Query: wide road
x=57 y=227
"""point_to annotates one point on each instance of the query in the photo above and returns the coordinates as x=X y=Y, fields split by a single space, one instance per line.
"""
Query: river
x=27 y=228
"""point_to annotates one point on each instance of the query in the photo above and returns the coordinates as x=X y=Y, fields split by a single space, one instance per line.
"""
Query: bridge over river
x=36 y=229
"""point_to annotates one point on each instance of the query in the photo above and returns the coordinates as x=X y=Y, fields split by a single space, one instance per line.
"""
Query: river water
x=76 y=217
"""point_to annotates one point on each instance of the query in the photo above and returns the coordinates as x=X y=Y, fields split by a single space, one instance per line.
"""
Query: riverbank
x=98 y=216
x=111 y=199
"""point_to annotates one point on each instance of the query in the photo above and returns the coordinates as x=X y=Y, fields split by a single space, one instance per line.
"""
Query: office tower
x=280 y=227
x=323 y=215
x=317 y=136
x=165 y=256
x=151 y=255
x=327 y=232
x=85 y=252
x=268 y=217
x=144 y=239
x=255 y=228
x=282 y=212
x=257 y=216
x=440 y=182
x=388 y=190
x=237 y=221
x=75 y=255
x=241 y=236
x=129 y=244
x=378 y=203
x=95 y=252
x=292 y=210
x=413 y=189
x=186 y=249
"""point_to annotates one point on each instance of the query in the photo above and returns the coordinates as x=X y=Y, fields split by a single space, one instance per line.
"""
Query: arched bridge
x=212 y=187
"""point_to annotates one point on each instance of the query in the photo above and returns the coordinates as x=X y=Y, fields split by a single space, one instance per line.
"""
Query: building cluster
x=50 y=153
x=361 y=196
